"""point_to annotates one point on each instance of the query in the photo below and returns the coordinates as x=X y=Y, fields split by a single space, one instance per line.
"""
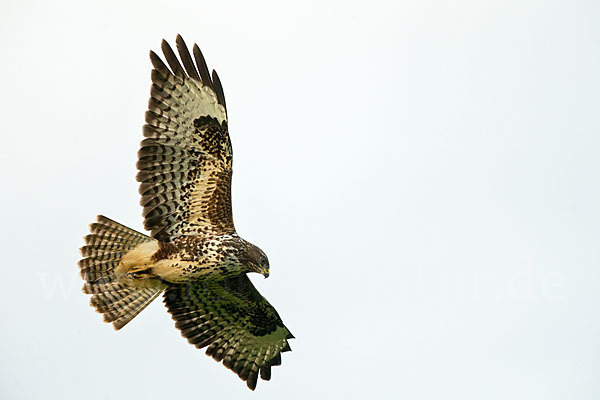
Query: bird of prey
x=193 y=255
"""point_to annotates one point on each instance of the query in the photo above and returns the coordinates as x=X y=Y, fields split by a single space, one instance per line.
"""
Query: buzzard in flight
x=194 y=255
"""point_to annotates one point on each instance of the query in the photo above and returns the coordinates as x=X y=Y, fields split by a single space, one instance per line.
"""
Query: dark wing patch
x=238 y=325
x=185 y=161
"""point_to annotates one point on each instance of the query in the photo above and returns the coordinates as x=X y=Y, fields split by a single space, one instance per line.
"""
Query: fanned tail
x=105 y=246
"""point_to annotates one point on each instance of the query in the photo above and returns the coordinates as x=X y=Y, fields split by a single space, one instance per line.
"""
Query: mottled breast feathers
x=185 y=159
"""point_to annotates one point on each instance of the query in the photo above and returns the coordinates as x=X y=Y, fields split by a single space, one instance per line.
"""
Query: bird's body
x=194 y=254
x=186 y=259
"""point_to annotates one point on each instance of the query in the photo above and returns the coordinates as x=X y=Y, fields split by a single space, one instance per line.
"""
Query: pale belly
x=178 y=271
x=192 y=260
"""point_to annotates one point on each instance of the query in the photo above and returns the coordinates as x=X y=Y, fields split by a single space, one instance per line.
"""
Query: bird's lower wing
x=238 y=325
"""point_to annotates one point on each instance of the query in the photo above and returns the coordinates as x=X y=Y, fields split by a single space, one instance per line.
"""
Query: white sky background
x=424 y=177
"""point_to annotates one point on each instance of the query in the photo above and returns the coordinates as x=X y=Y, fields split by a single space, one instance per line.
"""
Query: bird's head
x=255 y=260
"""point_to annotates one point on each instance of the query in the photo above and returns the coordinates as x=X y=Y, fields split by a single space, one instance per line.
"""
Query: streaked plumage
x=193 y=255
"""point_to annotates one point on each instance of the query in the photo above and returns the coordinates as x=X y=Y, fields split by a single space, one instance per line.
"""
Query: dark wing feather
x=238 y=325
x=202 y=66
x=172 y=59
x=186 y=58
x=185 y=161
x=218 y=88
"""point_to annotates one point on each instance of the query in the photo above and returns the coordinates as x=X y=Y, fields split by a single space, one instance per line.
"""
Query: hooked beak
x=265 y=272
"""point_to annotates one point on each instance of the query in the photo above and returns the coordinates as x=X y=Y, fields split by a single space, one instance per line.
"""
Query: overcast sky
x=422 y=175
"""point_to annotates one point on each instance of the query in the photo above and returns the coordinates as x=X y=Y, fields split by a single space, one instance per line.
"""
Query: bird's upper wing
x=238 y=325
x=185 y=159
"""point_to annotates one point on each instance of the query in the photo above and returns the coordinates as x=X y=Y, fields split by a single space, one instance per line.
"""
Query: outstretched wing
x=185 y=159
x=238 y=325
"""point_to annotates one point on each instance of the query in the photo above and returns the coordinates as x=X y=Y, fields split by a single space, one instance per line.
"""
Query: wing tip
x=197 y=72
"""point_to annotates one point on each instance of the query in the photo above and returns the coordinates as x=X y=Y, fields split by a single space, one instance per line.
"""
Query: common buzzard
x=193 y=254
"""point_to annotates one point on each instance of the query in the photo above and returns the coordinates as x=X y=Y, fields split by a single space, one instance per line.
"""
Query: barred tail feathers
x=105 y=246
